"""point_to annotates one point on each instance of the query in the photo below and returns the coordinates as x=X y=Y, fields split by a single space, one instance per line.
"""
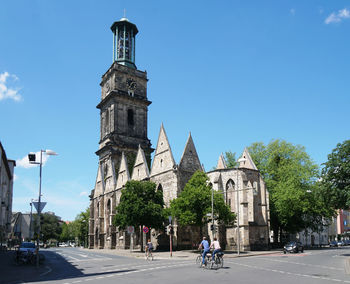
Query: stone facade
x=124 y=154
x=6 y=194
x=243 y=189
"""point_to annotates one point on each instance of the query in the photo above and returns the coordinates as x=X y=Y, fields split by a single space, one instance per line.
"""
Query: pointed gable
x=221 y=163
x=123 y=175
x=248 y=163
x=190 y=160
x=141 y=170
x=163 y=158
x=109 y=175
x=99 y=184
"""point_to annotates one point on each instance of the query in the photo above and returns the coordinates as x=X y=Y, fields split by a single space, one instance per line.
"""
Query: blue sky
x=231 y=72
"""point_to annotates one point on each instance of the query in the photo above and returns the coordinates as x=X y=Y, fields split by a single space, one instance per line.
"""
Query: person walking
x=205 y=246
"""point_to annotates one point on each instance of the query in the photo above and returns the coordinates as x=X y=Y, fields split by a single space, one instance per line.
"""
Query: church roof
x=141 y=170
x=163 y=158
x=221 y=163
x=190 y=160
x=249 y=163
x=123 y=174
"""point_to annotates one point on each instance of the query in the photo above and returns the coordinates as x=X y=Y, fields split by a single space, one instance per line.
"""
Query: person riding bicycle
x=149 y=247
x=205 y=245
x=216 y=246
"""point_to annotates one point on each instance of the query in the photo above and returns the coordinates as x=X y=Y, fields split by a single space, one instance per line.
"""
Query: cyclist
x=216 y=246
x=149 y=248
x=205 y=245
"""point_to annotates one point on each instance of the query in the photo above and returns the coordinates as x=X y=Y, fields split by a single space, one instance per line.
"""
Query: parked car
x=333 y=244
x=347 y=242
x=293 y=247
x=340 y=243
x=63 y=245
x=27 y=246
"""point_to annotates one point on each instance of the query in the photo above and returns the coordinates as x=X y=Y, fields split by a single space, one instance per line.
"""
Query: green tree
x=82 y=227
x=231 y=161
x=68 y=232
x=194 y=203
x=140 y=204
x=50 y=226
x=290 y=176
x=335 y=177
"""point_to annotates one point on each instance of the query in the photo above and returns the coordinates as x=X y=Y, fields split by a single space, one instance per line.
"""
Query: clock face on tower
x=131 y=83
x=107 y=86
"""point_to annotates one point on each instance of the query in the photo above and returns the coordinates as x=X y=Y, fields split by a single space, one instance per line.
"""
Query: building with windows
x=125 y=153
x=6 y=194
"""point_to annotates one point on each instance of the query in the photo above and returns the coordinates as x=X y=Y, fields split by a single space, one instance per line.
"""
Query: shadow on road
x=12 y=273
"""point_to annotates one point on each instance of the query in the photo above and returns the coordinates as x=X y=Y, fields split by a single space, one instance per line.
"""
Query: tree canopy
x=50 y=226
x=194 y=203
x=230 y=158
x=140 y=204
x=290 y=177
x=335 y=178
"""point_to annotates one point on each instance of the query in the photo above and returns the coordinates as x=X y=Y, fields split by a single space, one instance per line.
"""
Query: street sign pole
x=131 y=242
x=171 y=245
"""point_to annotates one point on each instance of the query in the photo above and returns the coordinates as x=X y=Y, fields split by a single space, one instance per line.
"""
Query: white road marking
x=282 y=272
x=130 y=272
x=303 y=264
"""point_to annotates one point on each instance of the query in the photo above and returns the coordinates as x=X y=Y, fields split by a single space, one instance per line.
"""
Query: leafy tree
x=231 y=161
x=290 y=176
x=82 y=227
x=335 y=178
x=50 y=226
x=194 y=203
x=140 y=204
x=68 y=232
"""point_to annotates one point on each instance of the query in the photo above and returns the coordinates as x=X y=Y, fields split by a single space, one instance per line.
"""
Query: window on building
x=130 y=117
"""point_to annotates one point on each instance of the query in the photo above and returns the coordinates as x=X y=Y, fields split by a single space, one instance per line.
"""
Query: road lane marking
x=283 y=272
x=130 y=272
x=303 y=264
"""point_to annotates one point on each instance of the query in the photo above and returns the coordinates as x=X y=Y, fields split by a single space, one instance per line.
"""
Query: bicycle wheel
x=199 y=260
x=221 y=261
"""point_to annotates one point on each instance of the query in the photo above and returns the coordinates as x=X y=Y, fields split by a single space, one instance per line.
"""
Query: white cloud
x=7 y=92
x=338 y=17
x=83 y=193
x=24 y=162
x=15 y=177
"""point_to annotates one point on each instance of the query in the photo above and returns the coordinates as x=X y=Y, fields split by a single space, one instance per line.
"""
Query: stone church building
x=125 y=153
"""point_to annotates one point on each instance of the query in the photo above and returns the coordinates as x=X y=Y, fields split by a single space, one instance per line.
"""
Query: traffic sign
x=145 y=229
x=36 y=205
x=131 y=229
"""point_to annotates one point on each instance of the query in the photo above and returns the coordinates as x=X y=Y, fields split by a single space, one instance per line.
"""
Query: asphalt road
x=71 y=265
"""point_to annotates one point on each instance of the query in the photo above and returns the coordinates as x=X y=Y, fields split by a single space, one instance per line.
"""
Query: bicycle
x=148 y=254
x=207 y=260
x=218 y=260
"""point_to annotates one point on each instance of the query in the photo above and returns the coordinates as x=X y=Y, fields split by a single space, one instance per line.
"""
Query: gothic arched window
x=229 y=190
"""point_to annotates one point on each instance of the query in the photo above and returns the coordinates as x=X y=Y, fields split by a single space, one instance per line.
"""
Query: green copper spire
x=124 y=33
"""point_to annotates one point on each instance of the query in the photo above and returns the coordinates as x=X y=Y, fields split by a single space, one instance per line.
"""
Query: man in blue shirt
x=205 y=245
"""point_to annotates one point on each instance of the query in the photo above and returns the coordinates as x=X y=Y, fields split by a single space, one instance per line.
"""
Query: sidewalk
x=177 y=255
x=12 y=273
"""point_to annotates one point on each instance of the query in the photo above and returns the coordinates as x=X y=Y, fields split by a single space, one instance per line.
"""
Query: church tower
x=124 y=104
x=123 y=130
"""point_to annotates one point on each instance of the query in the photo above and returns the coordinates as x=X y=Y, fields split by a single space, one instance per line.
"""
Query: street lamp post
x=31 y=218
x=32 y=160
x=237 y=203
x=212 y=212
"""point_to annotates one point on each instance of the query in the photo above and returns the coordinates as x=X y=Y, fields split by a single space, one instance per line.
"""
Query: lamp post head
x=50 y=152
